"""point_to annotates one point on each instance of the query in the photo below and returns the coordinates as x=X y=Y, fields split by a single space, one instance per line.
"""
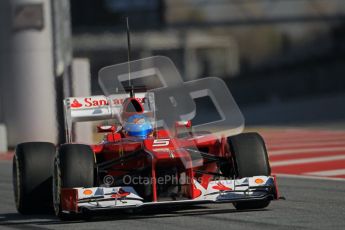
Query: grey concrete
x=310 y=204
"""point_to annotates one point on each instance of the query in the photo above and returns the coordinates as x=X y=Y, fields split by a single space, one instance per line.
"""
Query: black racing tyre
x=250 y=155
x=33 y=165
x=250 y=159
x=74 y=167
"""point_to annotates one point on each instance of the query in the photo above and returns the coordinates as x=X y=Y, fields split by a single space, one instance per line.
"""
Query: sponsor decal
x=120 y=194
x=160 y=142
x=119 y=101
x=76 y=104
x=221 y=187
x=88 y=192
x=95 y=103
x=90 y=102
x=196 y=192
x=166 y=150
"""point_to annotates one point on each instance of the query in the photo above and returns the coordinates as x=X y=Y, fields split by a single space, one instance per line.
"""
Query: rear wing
x=96 y=108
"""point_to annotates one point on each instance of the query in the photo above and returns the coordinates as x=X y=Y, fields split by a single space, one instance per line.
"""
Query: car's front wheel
x=74 y=167
x=32 y=177
x=250 y=159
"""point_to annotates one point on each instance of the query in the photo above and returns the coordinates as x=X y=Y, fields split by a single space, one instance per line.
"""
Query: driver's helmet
x=138 y=125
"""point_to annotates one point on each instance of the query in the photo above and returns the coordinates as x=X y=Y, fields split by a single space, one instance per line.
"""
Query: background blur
x=283 y=60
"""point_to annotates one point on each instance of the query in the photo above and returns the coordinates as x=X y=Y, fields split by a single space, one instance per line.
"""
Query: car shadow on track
x=13 y=219
x=153 y=213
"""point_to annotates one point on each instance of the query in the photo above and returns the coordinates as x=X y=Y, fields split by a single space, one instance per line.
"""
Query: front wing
x=76 y=200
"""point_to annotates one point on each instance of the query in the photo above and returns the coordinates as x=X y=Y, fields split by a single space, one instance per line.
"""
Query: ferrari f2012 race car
x=166 y=142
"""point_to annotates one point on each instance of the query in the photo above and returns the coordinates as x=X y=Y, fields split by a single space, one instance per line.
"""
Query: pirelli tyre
x=250 y=159
x=33 y=165
x=74 y=167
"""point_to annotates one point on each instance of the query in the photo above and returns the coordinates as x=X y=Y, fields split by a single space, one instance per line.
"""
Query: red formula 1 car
x=166 y=142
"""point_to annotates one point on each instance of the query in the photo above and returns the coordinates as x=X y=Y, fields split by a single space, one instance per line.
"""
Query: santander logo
x=88 y=102
x=97 y=101
x=76 y=104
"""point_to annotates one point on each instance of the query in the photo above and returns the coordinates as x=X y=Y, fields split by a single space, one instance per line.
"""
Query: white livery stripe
x=307 y=160
x=336 y=172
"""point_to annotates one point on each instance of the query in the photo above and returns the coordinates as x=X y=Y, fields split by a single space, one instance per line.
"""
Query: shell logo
x=87 y=192
x=259 y=181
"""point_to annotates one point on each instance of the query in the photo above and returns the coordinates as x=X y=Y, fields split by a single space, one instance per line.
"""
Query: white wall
x=81 y=88
x=3 y=139
x=29 y=93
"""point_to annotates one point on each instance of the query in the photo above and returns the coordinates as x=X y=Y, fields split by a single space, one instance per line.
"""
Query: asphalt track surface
x=309 y=204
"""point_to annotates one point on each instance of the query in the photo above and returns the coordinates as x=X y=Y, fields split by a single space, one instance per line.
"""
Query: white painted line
x=307 y=144
x=306 y=150
x=299 y=133
x=336 y=172
x=308 y=177
x=302 y=140
x=307 y=160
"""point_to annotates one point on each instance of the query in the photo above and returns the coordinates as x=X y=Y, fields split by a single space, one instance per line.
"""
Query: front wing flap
x=104 y=198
